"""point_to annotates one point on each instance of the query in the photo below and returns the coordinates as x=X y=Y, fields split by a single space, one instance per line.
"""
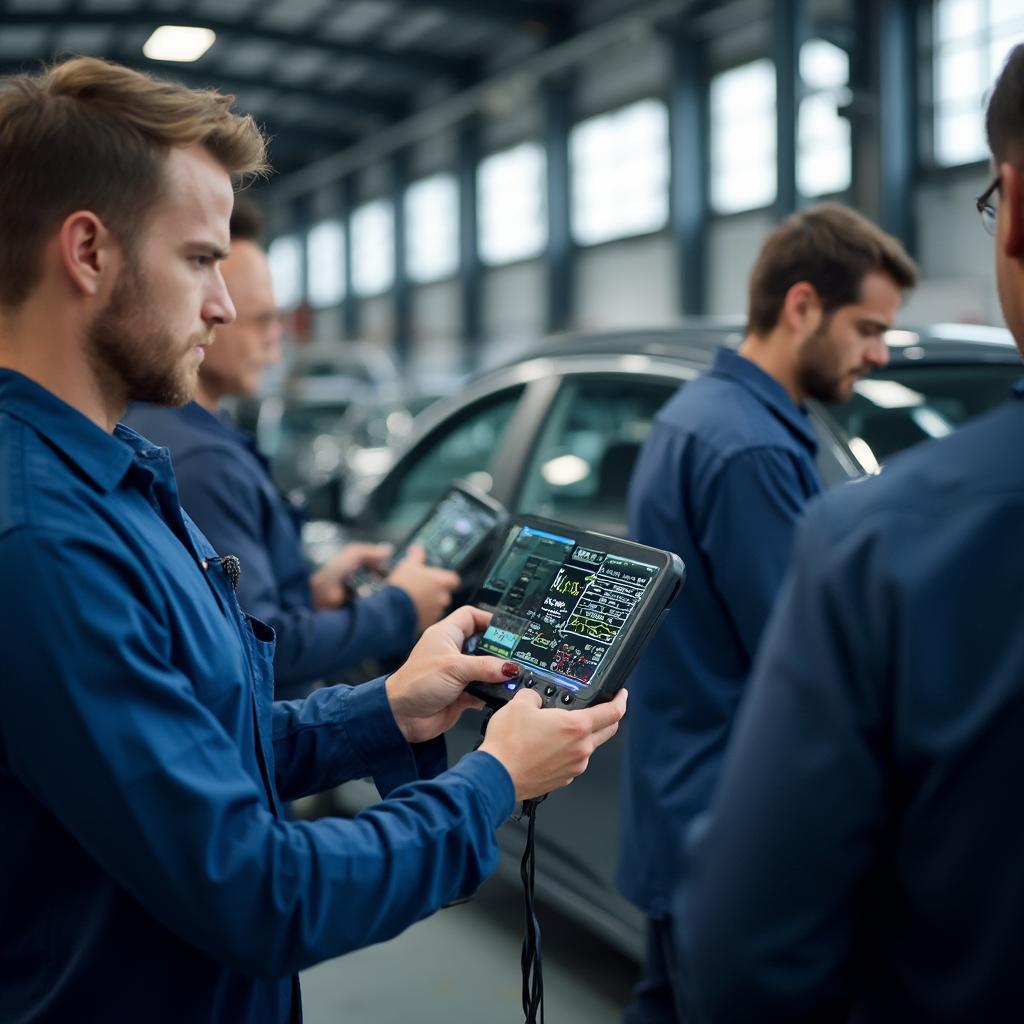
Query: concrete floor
x=462 y=967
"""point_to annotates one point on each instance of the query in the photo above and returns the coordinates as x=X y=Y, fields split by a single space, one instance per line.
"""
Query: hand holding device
x=328 y=582
x=427 y=694
x=454 y=534
x=544 y=749
x=429 y=589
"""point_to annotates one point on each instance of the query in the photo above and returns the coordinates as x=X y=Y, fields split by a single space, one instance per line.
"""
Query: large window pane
x=373 y=248
x=432 y=228
x=743 y=137
x=620 y=168
x=824 y=157
x=512 y=208
x=972 y=41
x=285 y=257
x=325 y=262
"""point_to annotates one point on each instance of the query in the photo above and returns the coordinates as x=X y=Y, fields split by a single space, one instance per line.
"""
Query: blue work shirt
x=226 y=489
x=863 y=851
x=145 y=873
x=722 y=478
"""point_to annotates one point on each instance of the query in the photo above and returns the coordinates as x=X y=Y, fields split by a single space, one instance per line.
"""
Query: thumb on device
x=546 y=748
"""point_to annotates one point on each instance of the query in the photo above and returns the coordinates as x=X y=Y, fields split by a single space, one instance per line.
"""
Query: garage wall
x=514 y=301
x=631 y=283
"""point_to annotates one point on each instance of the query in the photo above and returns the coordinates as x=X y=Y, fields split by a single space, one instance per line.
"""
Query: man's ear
x=801 y=308
x=1011 y=195
x=89 y=252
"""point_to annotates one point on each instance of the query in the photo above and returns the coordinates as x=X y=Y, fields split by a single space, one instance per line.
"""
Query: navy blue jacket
x=145 y=872
x=722 y=479
x=865 y=845
x=226 y=489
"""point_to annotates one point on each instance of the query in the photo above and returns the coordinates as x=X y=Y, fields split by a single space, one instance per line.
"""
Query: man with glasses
x=862 y=857
x=226 y=488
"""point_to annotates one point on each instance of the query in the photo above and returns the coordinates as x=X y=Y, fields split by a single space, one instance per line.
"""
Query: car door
x=469 y=442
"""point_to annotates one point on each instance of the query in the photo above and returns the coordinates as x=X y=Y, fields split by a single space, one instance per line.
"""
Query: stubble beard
x=134 y=359
x=819 y=371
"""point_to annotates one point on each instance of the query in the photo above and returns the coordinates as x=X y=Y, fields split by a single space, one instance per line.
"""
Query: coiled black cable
x=532 y=961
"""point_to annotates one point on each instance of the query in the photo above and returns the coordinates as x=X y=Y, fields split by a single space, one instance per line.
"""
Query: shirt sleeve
x=224 y=498
x=775 y=880
x=746 y=534
x=342 y=732
x=103 y=731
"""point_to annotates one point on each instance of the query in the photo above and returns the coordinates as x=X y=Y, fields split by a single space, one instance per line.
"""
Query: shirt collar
x=220 y=421
x=103 y=458
x=767 y=390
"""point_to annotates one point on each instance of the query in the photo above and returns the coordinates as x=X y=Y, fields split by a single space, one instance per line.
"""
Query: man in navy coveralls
x=226 y=488
x=146 y=873
x=862 y=858
x=722 y=480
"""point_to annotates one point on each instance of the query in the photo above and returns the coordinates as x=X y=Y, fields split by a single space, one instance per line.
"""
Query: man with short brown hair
x=862 y=857
x=146 y=873
x=722 y=480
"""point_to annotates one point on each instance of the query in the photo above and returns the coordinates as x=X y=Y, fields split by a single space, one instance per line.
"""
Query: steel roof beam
x=420 y=62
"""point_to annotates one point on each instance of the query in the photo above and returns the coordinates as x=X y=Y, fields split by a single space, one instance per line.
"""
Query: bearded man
x=722 y=480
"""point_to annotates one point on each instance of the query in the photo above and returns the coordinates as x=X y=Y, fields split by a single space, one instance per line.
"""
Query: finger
x=604 y=735
x=416 y=554
x=482 y=668
x=466 y=620
x=528 y=697
x=600 y=716
x=378 y=553
x=447 y=579
x=467 y=702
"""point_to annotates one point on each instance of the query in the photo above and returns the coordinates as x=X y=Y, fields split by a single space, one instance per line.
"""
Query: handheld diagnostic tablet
x=572 y=609
x=453 y=533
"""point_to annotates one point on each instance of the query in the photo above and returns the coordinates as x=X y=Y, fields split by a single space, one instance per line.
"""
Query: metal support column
x=470 y=275
x=401 y=293
x=789 y=32
x=895 y=37
x=689 y=147
x=557 y=114
x=350 y=304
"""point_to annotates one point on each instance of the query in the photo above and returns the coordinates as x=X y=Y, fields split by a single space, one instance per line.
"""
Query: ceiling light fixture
x=178 y=43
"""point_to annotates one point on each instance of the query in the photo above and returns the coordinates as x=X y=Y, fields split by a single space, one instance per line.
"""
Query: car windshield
x=901 y=406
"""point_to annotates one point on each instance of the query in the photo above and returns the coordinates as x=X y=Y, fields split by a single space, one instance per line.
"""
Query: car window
x=463 y=447
x=580 y=468
x=897 y=408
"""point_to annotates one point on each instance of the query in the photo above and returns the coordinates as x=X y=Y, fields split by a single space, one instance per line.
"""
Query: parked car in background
x=302 y=431
x=556 y=433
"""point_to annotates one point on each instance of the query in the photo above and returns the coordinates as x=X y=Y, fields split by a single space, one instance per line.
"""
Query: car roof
x=695 y=341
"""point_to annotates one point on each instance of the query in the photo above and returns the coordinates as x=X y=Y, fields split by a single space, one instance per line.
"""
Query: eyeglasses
x=987 y=208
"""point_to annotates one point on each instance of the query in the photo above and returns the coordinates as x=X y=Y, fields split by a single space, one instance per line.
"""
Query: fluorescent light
x=178 y=42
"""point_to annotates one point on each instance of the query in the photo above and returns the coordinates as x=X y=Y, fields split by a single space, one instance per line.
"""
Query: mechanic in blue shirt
x=226 y=488
x=145 y=871
x=862 y=859
x=721 y=480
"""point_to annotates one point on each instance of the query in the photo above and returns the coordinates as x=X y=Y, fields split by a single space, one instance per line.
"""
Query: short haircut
x=1004 y=121
x=247 y=221
x=832 y=248
x=87 y=134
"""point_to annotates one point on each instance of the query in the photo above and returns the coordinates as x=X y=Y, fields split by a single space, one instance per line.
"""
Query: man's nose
x=878 y=353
